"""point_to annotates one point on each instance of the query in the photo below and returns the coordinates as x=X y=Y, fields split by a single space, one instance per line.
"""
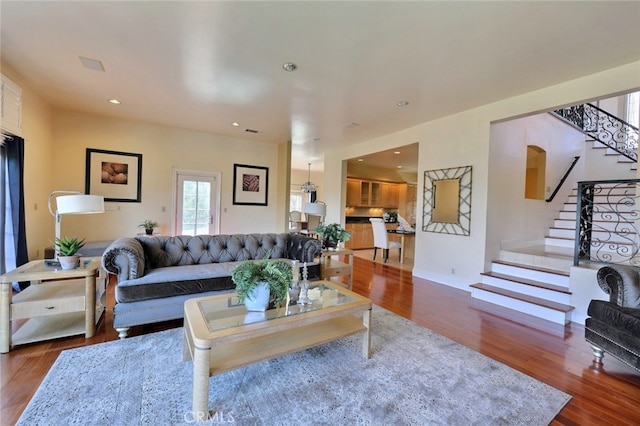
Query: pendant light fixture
x=309 y=186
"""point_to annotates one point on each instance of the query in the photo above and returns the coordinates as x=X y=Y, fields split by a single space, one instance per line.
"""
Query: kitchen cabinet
x=390 y=195
x=353 y=192
x=361 y=236
x=369 y=193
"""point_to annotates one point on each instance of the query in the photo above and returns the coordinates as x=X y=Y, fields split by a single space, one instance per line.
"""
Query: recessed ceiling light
x=289 y=67
x=235 y=124
x=396 y=152
x=399 y=167
x=115 y=101
x=402 y=104
x=360 y=159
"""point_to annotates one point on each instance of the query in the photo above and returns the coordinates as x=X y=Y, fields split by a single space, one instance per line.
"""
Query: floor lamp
x=73 y=202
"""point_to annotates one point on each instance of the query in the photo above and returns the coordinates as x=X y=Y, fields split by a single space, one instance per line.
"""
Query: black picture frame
x=115 y=175
x=250 y=185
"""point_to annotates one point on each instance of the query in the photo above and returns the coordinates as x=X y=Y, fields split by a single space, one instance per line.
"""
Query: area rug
x=414 y=377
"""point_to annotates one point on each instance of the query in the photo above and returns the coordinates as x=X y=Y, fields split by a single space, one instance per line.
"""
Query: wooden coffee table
x=220 y=335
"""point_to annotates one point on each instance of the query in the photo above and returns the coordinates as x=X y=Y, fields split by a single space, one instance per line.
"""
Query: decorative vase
x=69 y=262
x=329 y=244
x=258 y=299
x=149 y=231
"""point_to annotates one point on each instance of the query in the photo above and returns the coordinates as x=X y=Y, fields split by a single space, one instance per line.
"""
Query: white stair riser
x=571 y=215
x=595 y=234
x=529 y=290
x=601 y=208
x=538 y=261
x=610 y=226
x=606 y=198
x=531 y=274
x=521 y=306
x=559 y=242
x=565 y=223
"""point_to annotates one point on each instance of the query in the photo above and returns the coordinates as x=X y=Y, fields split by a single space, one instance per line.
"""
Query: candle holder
x=304 y=287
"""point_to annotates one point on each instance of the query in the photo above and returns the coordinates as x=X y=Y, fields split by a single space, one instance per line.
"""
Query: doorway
x=197 y=203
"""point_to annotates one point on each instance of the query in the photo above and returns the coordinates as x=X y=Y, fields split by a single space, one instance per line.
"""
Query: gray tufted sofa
x=155 y=275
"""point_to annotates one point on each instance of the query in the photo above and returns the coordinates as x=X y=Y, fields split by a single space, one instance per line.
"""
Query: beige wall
x=510 y=216
x=163 y=149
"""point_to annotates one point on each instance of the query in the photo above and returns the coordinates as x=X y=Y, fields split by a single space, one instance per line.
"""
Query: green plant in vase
x=149 y=226
x=252 y=276
x=332 y=234
x=67 y=251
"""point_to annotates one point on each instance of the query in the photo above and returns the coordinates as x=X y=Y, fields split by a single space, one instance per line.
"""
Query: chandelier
x=309 y=186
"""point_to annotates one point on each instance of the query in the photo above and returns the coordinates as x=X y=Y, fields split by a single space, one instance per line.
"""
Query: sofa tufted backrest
x=201 y=249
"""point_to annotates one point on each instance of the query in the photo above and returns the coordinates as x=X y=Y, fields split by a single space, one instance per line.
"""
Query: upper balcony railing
x=603 y=127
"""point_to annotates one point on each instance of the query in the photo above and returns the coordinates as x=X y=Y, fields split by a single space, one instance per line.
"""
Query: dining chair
x=381 y=240
x=313 y=222
x=295 y=221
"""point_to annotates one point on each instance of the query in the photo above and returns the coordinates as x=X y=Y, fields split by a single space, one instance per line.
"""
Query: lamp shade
x=315 y=209
x=80 y=204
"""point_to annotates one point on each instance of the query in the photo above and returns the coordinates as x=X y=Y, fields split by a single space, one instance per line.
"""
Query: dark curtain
x=15 y=182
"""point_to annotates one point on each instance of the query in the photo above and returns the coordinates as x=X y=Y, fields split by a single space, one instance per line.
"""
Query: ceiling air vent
x=250 y=130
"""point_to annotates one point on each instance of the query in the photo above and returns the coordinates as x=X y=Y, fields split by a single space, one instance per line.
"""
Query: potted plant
x=149 y=226
x=332 y=234
x=67 y=249
x=263 y=282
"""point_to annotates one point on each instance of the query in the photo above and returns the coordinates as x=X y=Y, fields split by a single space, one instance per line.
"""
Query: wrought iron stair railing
x=607 y=219
x=608 y=129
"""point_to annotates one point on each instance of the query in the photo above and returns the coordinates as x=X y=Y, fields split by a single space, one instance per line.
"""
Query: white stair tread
x=525 y=298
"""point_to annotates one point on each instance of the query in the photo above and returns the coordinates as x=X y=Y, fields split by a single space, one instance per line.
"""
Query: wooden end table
x=58 y=303
x=332 y=267
x=220 y=335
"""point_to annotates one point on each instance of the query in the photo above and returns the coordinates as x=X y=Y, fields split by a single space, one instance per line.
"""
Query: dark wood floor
x=556 y=355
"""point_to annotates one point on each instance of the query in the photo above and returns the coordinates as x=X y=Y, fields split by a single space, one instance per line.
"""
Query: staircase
x=535 y=280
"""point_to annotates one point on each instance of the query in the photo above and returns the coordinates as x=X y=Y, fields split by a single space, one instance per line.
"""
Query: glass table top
x=46 y=268
x=225 y=312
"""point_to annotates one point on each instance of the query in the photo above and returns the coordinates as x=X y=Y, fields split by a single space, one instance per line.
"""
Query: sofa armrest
x=302 y=248
x=621 y=283
x=125 y=258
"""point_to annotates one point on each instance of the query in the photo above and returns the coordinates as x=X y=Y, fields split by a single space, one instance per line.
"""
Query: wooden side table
x=58 y=303
x=332 y=267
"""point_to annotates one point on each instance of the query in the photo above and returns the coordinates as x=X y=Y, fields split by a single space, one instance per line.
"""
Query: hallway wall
x=510 y=216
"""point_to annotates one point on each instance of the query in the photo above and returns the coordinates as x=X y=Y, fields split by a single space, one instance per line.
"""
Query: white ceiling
x=203 y=65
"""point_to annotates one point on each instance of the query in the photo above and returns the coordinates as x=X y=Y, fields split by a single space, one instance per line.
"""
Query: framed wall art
x=250 y=185
x=117 y=176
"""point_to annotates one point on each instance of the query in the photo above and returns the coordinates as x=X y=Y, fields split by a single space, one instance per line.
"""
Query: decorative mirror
x=447 y=201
